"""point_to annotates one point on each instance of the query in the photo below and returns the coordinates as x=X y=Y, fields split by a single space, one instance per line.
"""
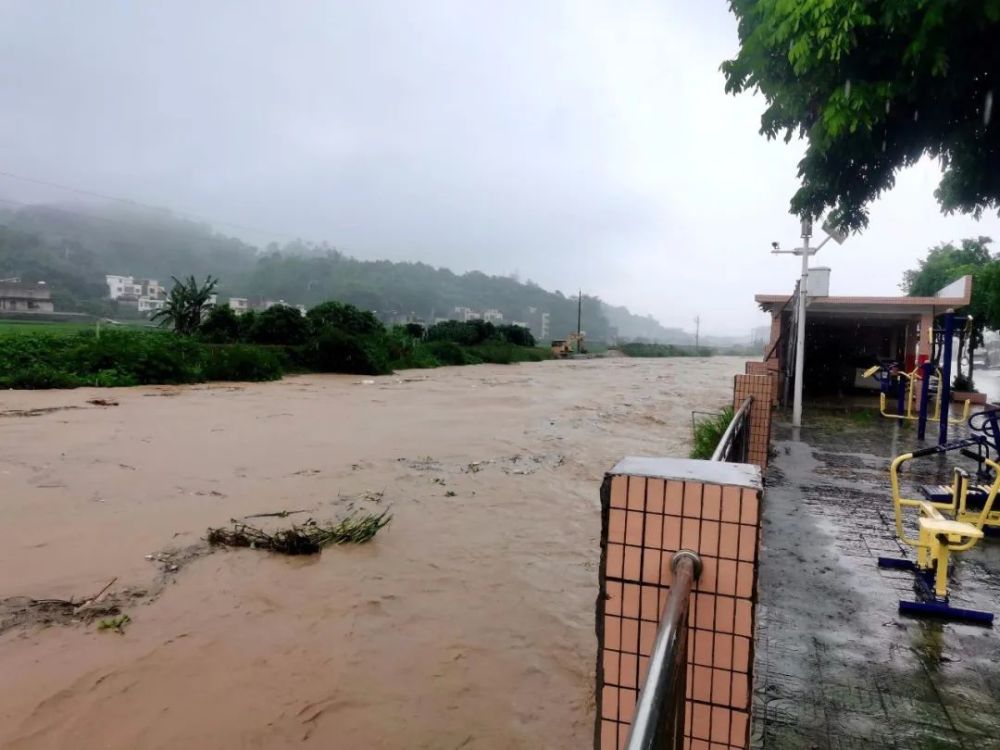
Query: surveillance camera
x=775 y=245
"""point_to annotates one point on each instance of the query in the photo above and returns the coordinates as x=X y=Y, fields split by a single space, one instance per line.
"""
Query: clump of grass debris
x=307 y=539
x=708 y=432
x=117 y=623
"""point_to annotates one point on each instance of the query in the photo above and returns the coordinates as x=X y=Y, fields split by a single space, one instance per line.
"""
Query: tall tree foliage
x=873 y=86
x=946 y=263
x=187 y=304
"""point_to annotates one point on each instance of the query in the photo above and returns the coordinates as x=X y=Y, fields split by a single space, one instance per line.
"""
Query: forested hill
x=72 y=247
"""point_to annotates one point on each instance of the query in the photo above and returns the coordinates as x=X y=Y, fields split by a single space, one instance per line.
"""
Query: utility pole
x=800 y=339
x=805 y=251
x=697 y=333
x=579 y=321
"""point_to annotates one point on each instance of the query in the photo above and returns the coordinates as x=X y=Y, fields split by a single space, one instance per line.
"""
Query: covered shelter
x=847 y=335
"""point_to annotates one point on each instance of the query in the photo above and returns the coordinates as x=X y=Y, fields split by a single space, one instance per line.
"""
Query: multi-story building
x=16 y=296
x=151 y=288
x=123 y=287
x=150 y=304
x=538 y=323
x=239 y=305
x=465 y=314
x=493 y=316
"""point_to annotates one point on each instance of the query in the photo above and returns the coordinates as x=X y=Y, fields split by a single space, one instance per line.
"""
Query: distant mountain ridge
x=72 y=247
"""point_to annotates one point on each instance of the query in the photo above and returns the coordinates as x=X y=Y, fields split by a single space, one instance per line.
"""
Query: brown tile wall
x=766 y=368
x=762 y=389
x=775 y=332
x=777 y=379
x=646 y=520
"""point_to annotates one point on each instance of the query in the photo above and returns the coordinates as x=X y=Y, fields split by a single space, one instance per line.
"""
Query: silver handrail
x=733 y=444
x=658 y=722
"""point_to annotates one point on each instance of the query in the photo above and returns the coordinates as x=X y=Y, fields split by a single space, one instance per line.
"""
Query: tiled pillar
x=650 y=508
x=765 y=368
x=760 y=387
x=924 y=345
x=775 y=331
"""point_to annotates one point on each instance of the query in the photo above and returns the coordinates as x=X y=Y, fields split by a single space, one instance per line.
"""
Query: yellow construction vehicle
x=572 y=344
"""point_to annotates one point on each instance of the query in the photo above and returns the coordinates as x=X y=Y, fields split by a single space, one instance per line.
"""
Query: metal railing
x=658 y=723
x=734 y=444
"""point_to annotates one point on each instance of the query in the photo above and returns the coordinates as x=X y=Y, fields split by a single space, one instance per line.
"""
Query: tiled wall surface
x=646 y=518
x=766 y=368
x=777 y=379
x=775 y=332
x=760 y=387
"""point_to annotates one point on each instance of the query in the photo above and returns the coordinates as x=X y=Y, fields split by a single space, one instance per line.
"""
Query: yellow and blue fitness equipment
x=940 y=536
x=986 y=440
x=906 y=396
x=940 y=341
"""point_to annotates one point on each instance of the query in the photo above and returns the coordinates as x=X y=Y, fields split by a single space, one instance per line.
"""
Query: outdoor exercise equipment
x=892 y=379
x=939 y=537
x=937 y=366
x=986 y=439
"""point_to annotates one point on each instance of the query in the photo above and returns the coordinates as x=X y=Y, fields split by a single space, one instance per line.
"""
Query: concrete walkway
x=836 y=665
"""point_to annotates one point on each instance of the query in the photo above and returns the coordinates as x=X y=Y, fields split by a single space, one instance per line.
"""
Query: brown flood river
x=466 y=623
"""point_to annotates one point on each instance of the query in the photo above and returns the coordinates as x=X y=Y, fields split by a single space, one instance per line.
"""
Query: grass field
x=55 y=327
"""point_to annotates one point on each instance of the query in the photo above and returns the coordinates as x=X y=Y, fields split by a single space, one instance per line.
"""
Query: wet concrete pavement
x=836 y=665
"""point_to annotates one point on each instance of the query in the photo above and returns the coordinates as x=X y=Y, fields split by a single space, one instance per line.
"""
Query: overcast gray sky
x=585 y=143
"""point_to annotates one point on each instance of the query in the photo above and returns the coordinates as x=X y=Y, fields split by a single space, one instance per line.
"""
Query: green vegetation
x=963 y=383
x=947 y=262
x=332 y=337
x=187 y=304
x=307 y=539
x=864 y=416
x=662 y=350
x=708 y=432
x=31 y=326
x=873 y=86
x=116 y=623
x=124 y=358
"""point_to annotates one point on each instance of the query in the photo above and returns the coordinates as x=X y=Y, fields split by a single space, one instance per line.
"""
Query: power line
x=140 y=204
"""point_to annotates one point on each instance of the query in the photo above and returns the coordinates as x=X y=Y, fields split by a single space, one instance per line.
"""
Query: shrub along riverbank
x=332 y=337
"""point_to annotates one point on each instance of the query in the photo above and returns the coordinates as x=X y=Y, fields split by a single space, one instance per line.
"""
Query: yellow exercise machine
x=938 y=536
x=905 y=403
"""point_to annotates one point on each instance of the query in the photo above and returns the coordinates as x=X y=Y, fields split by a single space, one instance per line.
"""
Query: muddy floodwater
x=466 y=623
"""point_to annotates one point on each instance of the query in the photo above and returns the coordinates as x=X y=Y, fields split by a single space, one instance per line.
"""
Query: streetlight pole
x=800 y=338
x=835 y=234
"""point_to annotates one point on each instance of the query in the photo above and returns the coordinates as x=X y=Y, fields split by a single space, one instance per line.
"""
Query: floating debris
x=102 y=402
x=20 y=611
x=278 y=513
x=116 y=623
x=35 y=412
x=307 y=539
